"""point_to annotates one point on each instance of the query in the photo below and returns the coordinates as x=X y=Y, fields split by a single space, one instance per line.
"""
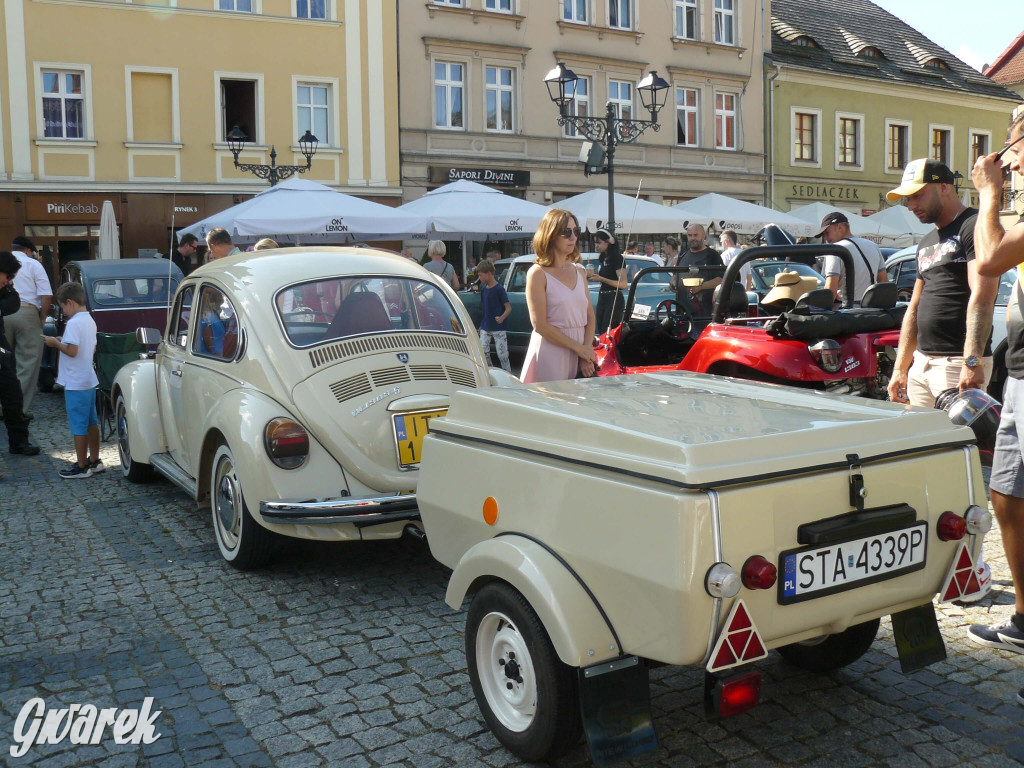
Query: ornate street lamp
x=273 y=172
x=609 y=130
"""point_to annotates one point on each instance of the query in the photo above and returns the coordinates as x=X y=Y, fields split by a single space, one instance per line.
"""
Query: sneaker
x=1006 y=637
x=97 y=467
x=74 y=472
x=985 y=580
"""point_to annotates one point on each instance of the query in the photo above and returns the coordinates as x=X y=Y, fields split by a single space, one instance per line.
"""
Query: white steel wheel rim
x=505 y=669
x=227 y=502
x=124 y=449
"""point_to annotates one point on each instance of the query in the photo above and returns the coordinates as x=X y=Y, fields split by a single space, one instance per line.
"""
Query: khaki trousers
x=929 y=377
x=24 y=335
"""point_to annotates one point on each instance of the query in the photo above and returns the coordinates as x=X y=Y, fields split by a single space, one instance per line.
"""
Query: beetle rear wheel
x=830 y=652
x=243 y=542
x=528 y=697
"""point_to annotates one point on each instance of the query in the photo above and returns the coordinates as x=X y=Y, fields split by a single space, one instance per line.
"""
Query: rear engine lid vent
x=351 y=387
x=383 y=377
x=461 y=377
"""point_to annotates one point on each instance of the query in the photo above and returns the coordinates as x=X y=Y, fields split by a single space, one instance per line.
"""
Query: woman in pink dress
x=559 y=303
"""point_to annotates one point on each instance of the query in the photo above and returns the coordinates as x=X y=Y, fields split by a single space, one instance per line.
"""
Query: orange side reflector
x=739 y=642
x=490 y=510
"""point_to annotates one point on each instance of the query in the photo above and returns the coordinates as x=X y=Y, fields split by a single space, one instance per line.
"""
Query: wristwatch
x=971 y=361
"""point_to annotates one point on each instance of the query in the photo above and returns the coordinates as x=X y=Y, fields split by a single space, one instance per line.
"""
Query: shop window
x=238 y=107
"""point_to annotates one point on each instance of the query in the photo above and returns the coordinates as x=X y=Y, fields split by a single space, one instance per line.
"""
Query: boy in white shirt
x=76 y=373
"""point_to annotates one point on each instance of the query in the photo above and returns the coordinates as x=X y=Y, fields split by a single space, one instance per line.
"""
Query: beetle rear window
x=326 y=310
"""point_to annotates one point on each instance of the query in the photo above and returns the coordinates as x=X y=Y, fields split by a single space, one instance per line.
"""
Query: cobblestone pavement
x=346 y=655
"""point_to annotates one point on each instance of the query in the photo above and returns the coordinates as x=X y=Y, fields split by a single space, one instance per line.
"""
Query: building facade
x=474 y=103
x=137 y=111
x=855 y=94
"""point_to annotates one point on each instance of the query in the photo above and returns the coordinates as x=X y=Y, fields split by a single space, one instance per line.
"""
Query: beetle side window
x=216 y=333
x=177 y=327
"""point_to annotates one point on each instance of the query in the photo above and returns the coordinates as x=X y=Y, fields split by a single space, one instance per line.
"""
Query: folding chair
x=113 y=350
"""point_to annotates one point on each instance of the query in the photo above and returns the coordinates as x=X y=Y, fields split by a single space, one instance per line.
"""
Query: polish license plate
x=807 y=574
x=410 y=429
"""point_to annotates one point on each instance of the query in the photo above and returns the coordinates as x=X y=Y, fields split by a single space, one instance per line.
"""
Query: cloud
x=968 y=56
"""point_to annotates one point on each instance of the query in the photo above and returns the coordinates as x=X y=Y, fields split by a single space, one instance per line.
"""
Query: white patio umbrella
x=860 y=226
x=301 y=210
x=631 y=215
x=465 y=209
x=900 y=218
x=741 y=216
x=110 y=243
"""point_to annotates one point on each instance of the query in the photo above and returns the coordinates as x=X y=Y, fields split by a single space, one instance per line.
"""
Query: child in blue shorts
x=76 y=373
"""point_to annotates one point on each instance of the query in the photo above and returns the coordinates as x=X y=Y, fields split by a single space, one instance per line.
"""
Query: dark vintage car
x=121 y=294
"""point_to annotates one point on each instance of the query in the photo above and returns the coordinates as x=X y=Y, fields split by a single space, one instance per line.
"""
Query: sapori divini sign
x=498 y=177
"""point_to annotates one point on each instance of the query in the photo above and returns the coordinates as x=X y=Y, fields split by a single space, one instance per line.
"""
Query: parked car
x=511 y=273
x=902 y=270
x=614 y=524
x=845 y=351
x=121 y=294
x=291 y=391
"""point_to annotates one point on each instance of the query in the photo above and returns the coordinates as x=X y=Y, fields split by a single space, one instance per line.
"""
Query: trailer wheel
x=823 y=654
x=528 y=697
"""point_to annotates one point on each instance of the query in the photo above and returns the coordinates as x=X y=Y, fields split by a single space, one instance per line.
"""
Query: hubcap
x=227 y=502
x=123 y=448
x=506 y=672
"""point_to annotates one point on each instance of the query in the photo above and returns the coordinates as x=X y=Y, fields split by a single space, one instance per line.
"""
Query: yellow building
x=132 y=102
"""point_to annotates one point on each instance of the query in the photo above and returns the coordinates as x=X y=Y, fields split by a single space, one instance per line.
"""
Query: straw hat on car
x=789 y=286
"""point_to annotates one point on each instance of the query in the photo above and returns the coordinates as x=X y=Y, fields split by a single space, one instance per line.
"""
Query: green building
x=853 y=93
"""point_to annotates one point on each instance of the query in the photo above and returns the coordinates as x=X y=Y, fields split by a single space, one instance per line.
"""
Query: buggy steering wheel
x=682 y=320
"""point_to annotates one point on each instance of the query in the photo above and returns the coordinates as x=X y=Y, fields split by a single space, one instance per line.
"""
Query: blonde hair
x=265 y=244
x=550 y=227
x=436 y=248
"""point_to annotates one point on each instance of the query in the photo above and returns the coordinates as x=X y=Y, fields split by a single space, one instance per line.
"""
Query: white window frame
x=950 y=144
x=679 y=19
x=618 y=102
x=815 y=161
x=572 y=17
x=731 y=15
x=447 y=126
x=329 y=10
x=498 y=89
x=909 y=125
x=333 y=115
x=971 y=133
x=687 y=109
x=494 y=6
x=452 y=3
x=261 y=118
x=735 y=119
x=568 y=130
x=630 y=6
x=253 y=3
x=175 y=103
x=87 y=102
x=858 y=165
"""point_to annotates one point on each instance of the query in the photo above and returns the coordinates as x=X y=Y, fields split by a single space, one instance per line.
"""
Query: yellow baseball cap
x=917 y=174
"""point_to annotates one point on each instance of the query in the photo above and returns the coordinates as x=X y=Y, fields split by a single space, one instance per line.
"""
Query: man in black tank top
x=1001 y=249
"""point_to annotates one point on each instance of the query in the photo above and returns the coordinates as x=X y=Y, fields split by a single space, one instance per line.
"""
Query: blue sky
x=976 y=31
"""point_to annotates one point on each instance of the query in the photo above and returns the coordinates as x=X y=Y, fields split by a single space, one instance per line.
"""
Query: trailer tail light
x=759 y=573
x=738 y=694
x=739 y=642
x=962 y=578
x=722 y=581
x=979 y=521
x=951 y=527
x=286 y=443
x=827 y=354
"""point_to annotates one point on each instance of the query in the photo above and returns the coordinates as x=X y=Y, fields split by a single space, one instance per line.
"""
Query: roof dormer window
x=805 y=42
x=936 y=64
x=870 y=52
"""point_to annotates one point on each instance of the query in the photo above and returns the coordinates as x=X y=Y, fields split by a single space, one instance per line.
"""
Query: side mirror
x=148 y=337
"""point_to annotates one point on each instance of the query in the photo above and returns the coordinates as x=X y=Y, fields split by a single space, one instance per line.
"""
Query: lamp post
x=273 y=172
x=609 y=131
x=957 y=180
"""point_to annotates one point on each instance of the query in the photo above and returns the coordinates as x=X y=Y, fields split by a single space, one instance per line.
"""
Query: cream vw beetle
x=686 y=519
x=292 y=392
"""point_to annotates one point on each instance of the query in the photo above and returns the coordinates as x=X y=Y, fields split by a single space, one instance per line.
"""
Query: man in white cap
x=868 y=263
x=24 y=329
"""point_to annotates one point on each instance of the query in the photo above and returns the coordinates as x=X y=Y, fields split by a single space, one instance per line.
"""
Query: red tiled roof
x=1009 y=65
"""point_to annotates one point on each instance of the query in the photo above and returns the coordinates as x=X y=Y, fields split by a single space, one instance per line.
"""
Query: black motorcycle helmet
x=975 y=409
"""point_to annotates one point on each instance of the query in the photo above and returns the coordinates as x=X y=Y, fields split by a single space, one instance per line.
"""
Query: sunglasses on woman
x=568 y=232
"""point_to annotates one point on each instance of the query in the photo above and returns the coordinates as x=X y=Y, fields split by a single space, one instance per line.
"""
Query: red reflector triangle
x=741 y=620
x=755 y=649
x=973 y=585
x=961 y=579
x=738 y=641
x=725 y=657
x=964 y=561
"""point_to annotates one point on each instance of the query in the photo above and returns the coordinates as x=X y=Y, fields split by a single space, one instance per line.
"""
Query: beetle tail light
x=286 y=442
x=827 y=354
x=951 y=527
x=979 y=520
x=759 y=573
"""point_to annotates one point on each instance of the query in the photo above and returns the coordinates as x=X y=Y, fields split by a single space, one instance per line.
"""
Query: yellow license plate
x=410 y=429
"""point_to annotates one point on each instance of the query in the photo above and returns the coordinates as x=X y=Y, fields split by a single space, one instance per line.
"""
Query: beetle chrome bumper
x=359 y=512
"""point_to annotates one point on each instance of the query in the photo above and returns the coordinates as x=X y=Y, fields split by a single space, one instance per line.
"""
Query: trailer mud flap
x=918 y=640
x=615 y=702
